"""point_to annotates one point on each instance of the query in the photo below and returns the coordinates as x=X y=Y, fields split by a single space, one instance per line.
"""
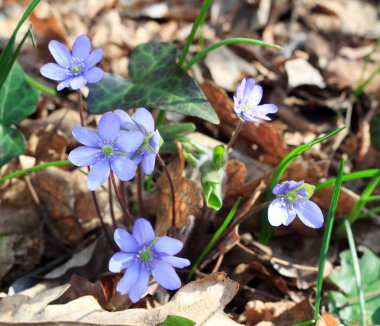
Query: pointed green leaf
x=18 y=99
x=174 y=320
x=156 y=82
x=12 y=144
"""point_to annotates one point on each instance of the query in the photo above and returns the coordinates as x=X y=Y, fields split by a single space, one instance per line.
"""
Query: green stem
x=41 y=87
x=351 y=176
x=202 y=13
x=355 y=262
x=369 y=212
x=326 y=240
x=305 y=323
x=362 y=85
x=32 y=169
x=160 y=118
x=373 y=198
x=228 y=41
x=215 y=237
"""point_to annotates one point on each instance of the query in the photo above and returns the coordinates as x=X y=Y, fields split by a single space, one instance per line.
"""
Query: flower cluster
x=246 y=102
x=143 y=254
x=74 y=69
x=293 y=199
x=112 y=148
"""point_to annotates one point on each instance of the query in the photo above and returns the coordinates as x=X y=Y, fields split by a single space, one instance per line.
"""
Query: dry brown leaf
x=301 y=312
x=328 y=320
x=202 y=301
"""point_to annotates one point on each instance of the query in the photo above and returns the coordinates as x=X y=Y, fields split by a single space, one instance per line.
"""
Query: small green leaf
x=18 y=99
x=156 y=82
x=12 y=144
x=177 y=321
x=346 y=303
x=172 y=131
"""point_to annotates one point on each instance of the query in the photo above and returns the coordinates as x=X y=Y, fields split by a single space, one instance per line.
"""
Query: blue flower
x=74 y=69
x=144 y=141
x=104 y=150
x=293 y=199
x=246 y=102
x=143 y=254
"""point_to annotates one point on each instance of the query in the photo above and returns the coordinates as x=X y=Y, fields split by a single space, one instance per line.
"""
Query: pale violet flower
x=246 y=102
x=104 y=150
x=293 y=199
x=74 y=69
x=144 y=140
x=143 y=254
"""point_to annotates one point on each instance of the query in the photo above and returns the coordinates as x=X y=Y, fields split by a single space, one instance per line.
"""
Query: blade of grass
x=355 y=212
x=369 y=212
x=5 y=56
x=215 y=238
x=360 y=88
x=326 y=239
x=358 y=278
x=32 y=169
x=228 y=41
x=305 y=323
x=265 y=232
x=351 y=176
x=42 y=87
x=202 y=13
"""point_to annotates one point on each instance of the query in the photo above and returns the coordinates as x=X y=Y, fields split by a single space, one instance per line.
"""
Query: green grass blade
x=363 y=84
x=358 y=278
x=42 y=87
x=351 y=176
x=215 y=237
x=5 y=57
x=327 y=238
x=202 y=13
x=265 y=231
x=305 y=323
x=236 y=40
x=32 y=169
x=369 y=212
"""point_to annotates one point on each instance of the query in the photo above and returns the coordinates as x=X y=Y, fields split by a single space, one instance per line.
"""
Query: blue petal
x=125 y=241
x=77 y=82
x=94 y=75
x=84 y=156
x=120 y=261
x=256 y=95
x=148 y=162
x=81 y=47
x=267 y=108
x=309 y=213
x=65 y=83
x=108 y=127
x=175 y=261
x=143 y=232
x=155 y=141
x=129 y=141
x=98 y=174
x=141 y=285
x=240 y=90
x=94 y=58
x=138 y=158
x=129 y=279
x=144 y=119
x=166 y=276
x=249 y=87
x=280 y=213
x=54 y=72
x=124 y=168
x=60 y=53
x=168 y=245
x=126 y=121
x=86 y=137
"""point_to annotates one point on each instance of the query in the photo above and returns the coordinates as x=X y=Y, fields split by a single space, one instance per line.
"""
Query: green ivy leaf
x=156 y=82
x=177 y=321
x=12 y=144
x=18 y=99
x=346 y=303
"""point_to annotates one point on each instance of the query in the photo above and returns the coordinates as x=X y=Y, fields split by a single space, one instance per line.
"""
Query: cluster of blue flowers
x=123 y=141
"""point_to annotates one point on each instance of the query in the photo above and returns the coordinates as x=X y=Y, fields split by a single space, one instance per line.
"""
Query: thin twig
x=171 y=183
x=127 y=216
x=80 y=108
x=235 y=135
x=111 y=204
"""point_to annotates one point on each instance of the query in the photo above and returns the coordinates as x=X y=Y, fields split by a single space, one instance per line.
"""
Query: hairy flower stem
x=171 y=183
x=128 y=219
x=235 y=135
x=93 y=194
x=80 y=108
x=140 y=192
x=111 y=203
